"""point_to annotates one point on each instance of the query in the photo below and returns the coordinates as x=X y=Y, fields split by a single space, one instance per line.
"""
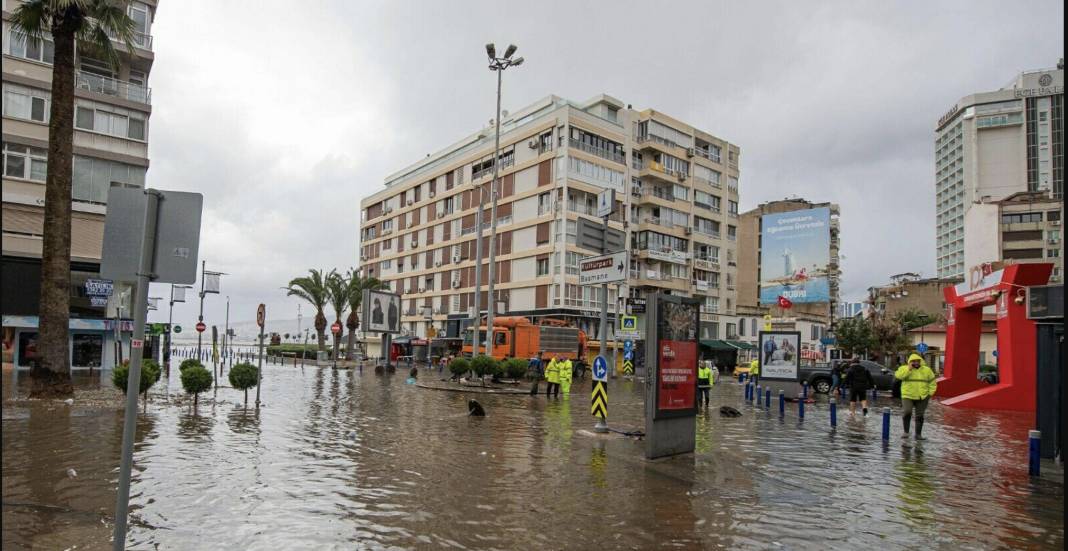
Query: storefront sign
x=98 y=302
x=636 y=305
x=99 y=288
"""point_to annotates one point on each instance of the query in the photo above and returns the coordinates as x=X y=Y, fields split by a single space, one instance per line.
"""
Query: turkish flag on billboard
x=785 y=302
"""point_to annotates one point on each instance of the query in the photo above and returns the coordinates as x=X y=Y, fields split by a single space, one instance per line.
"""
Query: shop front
x=92 y=342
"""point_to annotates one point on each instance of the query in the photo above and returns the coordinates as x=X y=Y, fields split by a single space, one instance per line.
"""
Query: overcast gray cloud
x=286 y=115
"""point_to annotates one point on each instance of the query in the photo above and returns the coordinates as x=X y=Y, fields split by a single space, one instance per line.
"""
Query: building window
x=741 y=327
x=543 y=267
x=732 y=207
x=33 y=49
x=26 y=103
x=113 y=122
x=28 y=163
x=1021 y=218
x=1053 y=215
x=595 y=173
x=732 y=233
x=93 y=177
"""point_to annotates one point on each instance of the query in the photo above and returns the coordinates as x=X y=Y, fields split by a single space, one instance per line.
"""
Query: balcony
x=653 y=168
x=598 y=151
x=139 y=39
x=707 y=264
x=709 y=183
x=648 y=194
x=650 y=139
x=113 y=87
x=715 y=158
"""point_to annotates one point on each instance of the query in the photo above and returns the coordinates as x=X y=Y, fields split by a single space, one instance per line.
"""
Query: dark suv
x=884 y=377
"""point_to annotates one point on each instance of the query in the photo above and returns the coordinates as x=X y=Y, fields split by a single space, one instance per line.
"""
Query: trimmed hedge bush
x=459 y=367
x=150 y=373
x=243 y=377
x=187 y=363
x=485 y=365
x=515 y=368
x=196 y=379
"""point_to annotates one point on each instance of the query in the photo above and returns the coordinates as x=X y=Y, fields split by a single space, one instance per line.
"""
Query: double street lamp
x=498 y=64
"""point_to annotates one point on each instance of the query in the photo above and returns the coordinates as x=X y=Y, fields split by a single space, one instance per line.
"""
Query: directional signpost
x=628 y=357
x=599 y=398
x=606 y=268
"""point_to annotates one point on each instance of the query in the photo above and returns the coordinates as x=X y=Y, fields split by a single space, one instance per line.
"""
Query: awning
x=715 y=344
x=741 y=345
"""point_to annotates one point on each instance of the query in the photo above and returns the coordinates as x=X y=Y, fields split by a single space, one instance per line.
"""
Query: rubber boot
x=907 y=420
x=919 y=428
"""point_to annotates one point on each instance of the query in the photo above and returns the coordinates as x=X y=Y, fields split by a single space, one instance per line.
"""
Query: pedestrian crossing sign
x=628 y=323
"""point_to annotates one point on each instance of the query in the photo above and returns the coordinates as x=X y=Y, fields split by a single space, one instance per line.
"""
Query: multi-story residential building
x=677 y=202
x=1023 y=227
x=990 y=145
x=909 y=291
x=850 y=309
x=812 y=319
x=112 y=110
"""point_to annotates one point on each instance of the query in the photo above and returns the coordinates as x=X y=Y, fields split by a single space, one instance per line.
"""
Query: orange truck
x=517 y=337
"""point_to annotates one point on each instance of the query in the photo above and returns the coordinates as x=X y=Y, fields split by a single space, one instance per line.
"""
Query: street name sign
x=608 y=268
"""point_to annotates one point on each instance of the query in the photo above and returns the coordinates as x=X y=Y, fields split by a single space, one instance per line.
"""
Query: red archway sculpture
x=960 y=385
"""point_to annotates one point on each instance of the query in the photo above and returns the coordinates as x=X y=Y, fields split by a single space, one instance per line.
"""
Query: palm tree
x=89 y=22
x=337 y=291
x=356 y=286
x=312 y=288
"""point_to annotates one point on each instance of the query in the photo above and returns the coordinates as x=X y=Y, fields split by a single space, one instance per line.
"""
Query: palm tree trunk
x=352 y=323
x=337 y=340
x=51 y=375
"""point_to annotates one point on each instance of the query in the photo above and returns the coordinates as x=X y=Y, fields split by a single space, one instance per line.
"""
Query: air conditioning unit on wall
x=456 y=284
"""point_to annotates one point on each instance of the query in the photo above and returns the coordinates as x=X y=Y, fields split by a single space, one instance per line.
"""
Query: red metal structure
x=1005 y=288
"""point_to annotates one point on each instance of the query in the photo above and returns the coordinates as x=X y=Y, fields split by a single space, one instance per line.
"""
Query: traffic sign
x=177 y=329
x=636 y=305
x=606 y=268
x=599 y=406
x=335 y=328
x=628 y=323
x=201 y=327
x=606 y=202
x=995 y=353
x=921 y=348
x=628 y=347
x=600 y=369
x=261 y=315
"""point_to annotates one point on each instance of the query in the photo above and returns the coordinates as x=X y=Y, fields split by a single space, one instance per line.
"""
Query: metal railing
x=707 y=155
x=646 y=193
x=139 y=39
x=113 y=87
x=598 y=151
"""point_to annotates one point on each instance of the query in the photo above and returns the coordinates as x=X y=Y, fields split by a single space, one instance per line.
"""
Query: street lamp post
x=203 y=291
x=498 y=64
x=170 y=319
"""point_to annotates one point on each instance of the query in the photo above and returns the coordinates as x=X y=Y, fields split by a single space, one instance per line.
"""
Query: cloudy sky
x=284 y=115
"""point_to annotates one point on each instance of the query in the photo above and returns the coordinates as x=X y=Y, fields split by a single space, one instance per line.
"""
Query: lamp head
x=517 y=61
x=491 y=50
x=509 y=51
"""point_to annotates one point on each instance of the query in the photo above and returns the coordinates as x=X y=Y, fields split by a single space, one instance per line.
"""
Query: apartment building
x=1023 y=227
x=677 y=203
x=990 y=145
x=112 y=111
x=909 y=291
x=813 y=319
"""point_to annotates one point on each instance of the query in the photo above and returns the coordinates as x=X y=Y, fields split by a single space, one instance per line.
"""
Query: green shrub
x=459 y=367
x=150 y=373
x=515 y=368
x=484 y=365
x=243 y=377
x=187 y=363
x=196 y=379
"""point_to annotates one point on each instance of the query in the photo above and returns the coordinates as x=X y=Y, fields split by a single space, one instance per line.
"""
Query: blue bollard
x=767 y=398
x=800 y=408
x=782 y=403
x=739 y=378
x=804 y=390
x=886 y=423
x=1034 y=448
x=834 y=413
x=746 y=392
x=759 y=394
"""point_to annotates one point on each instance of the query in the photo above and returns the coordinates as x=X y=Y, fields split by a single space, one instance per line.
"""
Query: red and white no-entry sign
x=201 y=327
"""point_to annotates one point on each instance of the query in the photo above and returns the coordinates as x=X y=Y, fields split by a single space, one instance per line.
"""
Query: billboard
x=676 y=373
x=381 y=311
x=795 y=256
x=780 y=353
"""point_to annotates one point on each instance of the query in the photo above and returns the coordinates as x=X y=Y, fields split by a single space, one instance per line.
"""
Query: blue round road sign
x=921 y=348
x=600 y=368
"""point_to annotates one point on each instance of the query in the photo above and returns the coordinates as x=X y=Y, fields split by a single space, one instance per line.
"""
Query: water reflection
x=336 y=459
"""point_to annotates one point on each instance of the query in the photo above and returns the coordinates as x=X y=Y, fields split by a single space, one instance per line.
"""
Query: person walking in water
x=704 y=382
x=918 y=384
x=860 y=381
x=552 y=377
x=565 y=377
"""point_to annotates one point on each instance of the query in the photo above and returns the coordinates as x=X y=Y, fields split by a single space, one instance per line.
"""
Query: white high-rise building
x=991 y=145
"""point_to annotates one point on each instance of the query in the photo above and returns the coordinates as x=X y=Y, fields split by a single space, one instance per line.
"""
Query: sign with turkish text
x=99 y=287
x=608 y=268
x=676 y=373
x=636 y=305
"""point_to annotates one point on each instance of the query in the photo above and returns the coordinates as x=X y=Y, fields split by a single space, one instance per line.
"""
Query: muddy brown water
x=343 y=460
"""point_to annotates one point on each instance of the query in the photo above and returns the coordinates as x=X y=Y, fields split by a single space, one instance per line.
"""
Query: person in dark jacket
x=859 y=381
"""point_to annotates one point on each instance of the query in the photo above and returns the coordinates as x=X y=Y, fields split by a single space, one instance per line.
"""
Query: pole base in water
x=601 y=427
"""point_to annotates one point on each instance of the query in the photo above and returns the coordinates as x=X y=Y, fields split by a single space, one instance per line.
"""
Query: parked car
x=820 y=379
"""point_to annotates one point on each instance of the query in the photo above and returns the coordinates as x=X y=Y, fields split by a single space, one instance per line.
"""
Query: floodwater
x=339 y=459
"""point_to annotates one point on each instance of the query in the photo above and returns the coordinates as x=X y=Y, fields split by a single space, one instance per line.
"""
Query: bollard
x=834 y=413
x=804 y=390
x=800 y=408
x=886 y=423
x=759 y=395
x=1034 y=447
x=767 y=398
x=740 y=378
x=782 y=403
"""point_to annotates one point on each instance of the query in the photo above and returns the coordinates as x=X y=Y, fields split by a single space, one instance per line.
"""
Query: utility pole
x=226 y=335
x=200 y=317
